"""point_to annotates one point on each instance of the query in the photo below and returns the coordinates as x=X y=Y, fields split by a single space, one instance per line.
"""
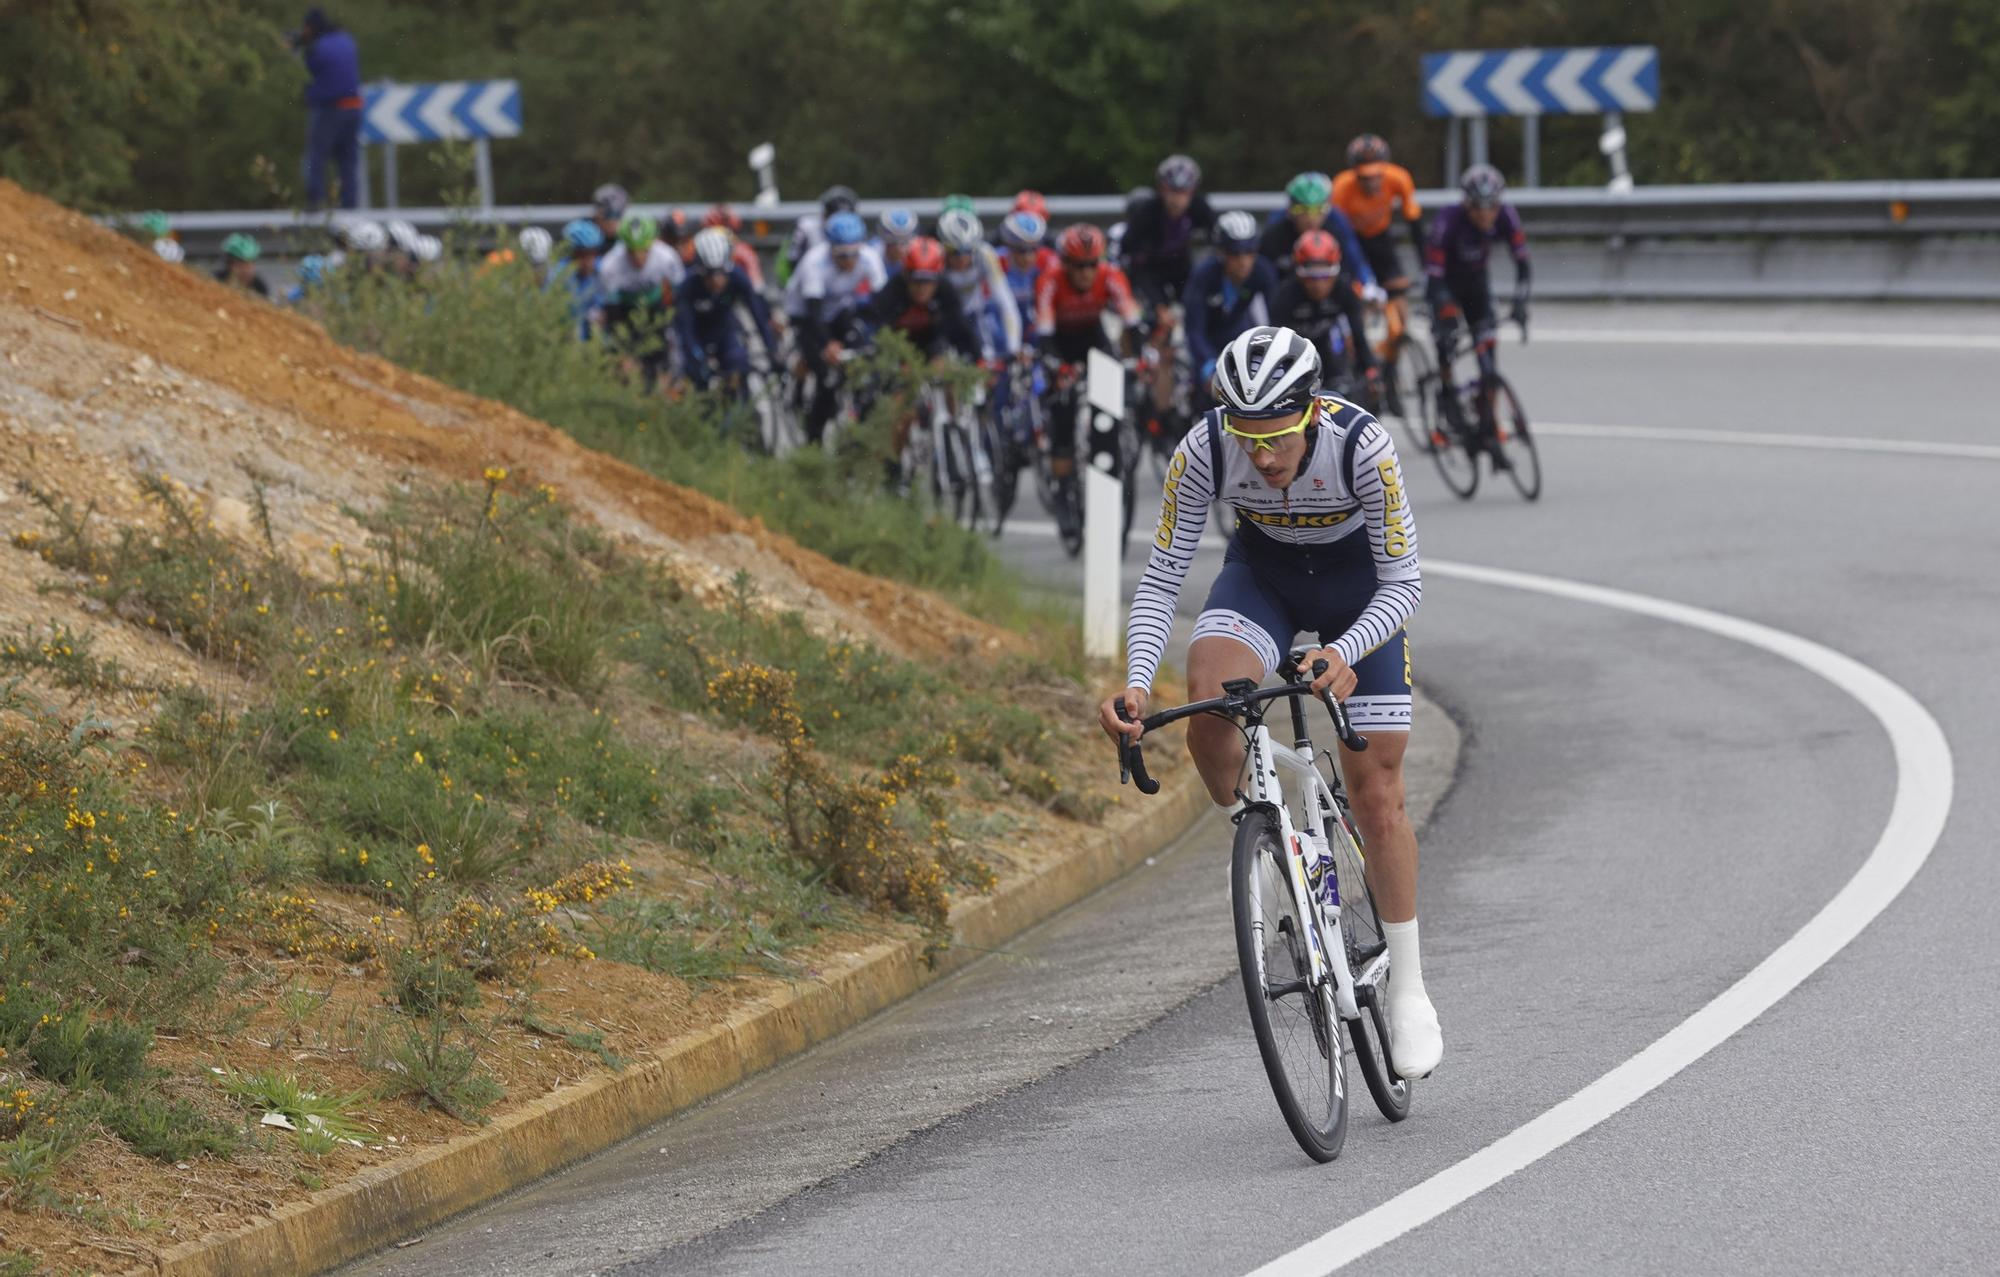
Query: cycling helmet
x=428 y=248
x=582 y=236
x=1310 y=189
x=844 y=229
x=637 y=232
x=1177 y=173
x=956 y=203
x=537 y=243
x=960 y=231
x=155 y=224
x=923 y=259
x=1483 y=186
x=610 y=201
x=312 y=269
x=897 y=224
x=241 y=247
x=1081 y=244
x=1023 y=229
x=403 y=235
x=1032 y=202
x=170 y=251
x=674 y=226
x=838 y=199
x=1266 y=372
x=1367 y=149
x=724 y=216
x=713 y=248
x=1236 y=232
x=365 y=236
x=1316 y=255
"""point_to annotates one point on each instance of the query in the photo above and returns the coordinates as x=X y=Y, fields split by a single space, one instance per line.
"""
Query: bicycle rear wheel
x=1298 y=1034
x=1514 y=443
x=1415 y=372
x=1456 y=460
x=1361 y=932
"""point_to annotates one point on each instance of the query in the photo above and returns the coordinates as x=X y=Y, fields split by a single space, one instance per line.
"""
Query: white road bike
x=1312 y=954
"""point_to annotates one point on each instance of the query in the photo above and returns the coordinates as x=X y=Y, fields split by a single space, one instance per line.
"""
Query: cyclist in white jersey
x=1324 y=542
x=824 y=297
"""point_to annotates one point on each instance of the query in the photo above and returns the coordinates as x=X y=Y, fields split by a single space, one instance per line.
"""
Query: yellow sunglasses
x=1262 y=441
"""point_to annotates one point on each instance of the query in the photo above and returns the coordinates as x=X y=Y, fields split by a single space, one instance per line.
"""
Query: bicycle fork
x=1266 y=755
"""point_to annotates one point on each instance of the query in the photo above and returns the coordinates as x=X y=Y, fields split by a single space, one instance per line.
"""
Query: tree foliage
x=195 y=103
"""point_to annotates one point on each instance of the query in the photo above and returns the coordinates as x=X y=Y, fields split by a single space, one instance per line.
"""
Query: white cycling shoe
x=1416 y=1043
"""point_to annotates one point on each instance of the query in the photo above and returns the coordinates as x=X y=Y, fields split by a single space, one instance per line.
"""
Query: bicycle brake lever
x=1341 y=727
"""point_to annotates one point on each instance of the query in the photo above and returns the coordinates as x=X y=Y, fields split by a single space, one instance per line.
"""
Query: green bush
x=167 y=1130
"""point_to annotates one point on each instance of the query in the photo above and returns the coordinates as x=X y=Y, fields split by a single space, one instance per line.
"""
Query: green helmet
x=240 y=246
x=155 y=224
x=1310 y=189
x=960 y=203
x=638 y=232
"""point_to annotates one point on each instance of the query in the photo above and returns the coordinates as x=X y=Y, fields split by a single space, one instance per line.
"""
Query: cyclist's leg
x=1242 y=632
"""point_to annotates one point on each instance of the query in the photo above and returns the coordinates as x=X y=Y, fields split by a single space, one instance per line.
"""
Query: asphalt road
x=1642 y=813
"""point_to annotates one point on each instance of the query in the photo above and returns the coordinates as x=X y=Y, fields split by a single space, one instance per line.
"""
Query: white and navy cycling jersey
x=989 y=303
x=621 y=276
x=838 y=291
x=1334 y=554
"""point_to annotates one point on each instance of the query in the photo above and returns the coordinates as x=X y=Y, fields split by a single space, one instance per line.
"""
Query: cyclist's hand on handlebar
x=1339 y=677
x=1135 y=709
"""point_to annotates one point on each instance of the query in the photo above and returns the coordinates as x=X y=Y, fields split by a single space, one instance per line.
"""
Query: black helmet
x=1483 y=186
x=838 y=199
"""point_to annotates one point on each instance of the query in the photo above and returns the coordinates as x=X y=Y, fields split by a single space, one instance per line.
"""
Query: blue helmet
x=897 y=223
x=1023 y=229
x=582 y=235
x=312 y=268
x=844 y=229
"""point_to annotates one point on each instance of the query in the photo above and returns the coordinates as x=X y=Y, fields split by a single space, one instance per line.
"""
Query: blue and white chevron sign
x=454 y=111
x=1542 y=81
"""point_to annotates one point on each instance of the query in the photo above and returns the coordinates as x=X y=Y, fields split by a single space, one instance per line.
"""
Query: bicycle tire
x=1068 y=507
x=1456 y=459
x=1361 y=930
x=1308 y=1031
x=1414 y=369
x=1514 y=441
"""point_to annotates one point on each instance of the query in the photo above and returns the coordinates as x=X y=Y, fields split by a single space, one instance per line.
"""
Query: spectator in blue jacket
x=333 y=107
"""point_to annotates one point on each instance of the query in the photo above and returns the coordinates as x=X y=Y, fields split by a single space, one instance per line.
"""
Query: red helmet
x=924 y=258
x=1316 y=255
x=1081 y=243
x=1031 y=202
x=724 y=216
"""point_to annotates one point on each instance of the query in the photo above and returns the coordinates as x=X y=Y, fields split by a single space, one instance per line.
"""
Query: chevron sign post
x=473 y=111
x=1472 y=84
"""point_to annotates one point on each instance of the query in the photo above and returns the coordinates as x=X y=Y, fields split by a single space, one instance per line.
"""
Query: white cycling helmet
x=960 y=231
x=365 y=236
x=1266 y=372
x=713 y=248
x=537 y=243
x=427 y=248
x=403 y=236
x=1236 y=232
x=170 y=250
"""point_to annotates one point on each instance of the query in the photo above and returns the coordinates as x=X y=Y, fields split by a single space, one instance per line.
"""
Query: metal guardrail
x=1778 y=237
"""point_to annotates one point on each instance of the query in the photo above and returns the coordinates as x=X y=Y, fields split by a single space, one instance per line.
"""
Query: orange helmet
x=1031 y=202
x=924 y=258
x=1080 y=244
x=724 y=216
x=1316 y=255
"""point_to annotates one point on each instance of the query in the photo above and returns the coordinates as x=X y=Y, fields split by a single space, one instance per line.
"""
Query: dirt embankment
x=114 y=363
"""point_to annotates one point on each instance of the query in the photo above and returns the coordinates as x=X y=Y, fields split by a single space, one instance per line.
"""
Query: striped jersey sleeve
x=1184 y=502
x=1377 y=483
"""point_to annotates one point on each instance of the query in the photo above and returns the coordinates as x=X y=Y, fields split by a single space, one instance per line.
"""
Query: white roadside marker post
x=1103 y=513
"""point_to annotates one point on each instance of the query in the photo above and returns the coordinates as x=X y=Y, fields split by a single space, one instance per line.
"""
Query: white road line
x=1767 y=439
x=1756 y=337
x=1916 y=819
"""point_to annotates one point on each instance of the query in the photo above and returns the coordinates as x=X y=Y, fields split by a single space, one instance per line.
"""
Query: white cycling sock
x=1406 y=969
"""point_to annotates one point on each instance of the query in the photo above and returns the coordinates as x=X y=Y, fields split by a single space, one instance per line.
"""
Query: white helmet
x=1236 y=232
x=403 y=236
x=713 y=249
x=170 y=250
x=427 y=248
x=537 y=243
x=959 y=230
x=1266 y=372
x=365 y=236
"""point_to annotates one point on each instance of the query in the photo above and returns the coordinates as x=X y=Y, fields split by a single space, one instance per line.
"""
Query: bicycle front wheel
x=1457 y=459
x=1297 y=1033
x=1513 y=444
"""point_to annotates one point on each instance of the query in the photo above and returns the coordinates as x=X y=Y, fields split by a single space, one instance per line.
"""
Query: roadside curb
x=384 y=1203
